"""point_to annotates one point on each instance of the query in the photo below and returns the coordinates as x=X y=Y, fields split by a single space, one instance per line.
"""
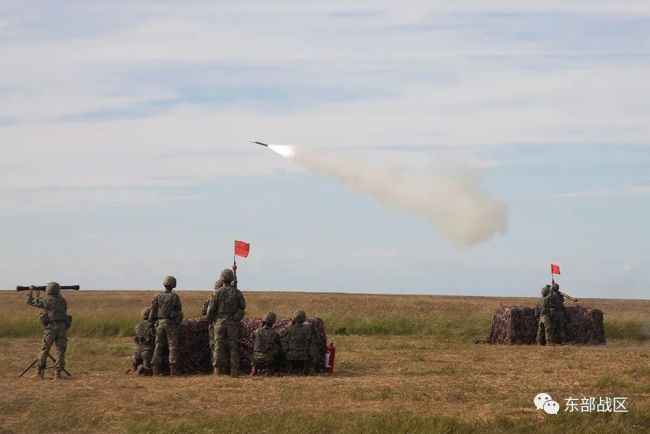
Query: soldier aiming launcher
x=568 y=296
x=42 y=288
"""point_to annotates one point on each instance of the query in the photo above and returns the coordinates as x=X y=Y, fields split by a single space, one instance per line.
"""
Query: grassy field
x=404 y=364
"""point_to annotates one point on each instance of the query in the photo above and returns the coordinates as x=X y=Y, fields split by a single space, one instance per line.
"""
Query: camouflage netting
x=195 y=354
x=516 y=325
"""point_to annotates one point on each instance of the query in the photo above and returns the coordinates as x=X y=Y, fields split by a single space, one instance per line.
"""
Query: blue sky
x=124 y=130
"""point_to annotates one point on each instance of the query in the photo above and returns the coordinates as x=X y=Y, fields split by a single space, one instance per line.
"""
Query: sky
x=125 y=154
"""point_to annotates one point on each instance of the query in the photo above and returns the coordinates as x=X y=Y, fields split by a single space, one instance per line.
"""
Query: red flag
x=242 y=248
x=555 y=269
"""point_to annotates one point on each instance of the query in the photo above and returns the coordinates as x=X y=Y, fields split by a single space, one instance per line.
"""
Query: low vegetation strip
x=455 y=319
x=467 y=329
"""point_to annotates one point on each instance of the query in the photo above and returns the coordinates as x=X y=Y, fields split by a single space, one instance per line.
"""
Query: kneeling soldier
x=296 y=344
x=145 y=342
x=267 y=347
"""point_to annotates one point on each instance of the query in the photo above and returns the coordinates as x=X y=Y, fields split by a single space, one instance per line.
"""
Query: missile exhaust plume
x=453 y=200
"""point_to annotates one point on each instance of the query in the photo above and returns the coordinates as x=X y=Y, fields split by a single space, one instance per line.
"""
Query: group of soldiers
x=289 y=351
x=551 y=316
x=156 y=337
x=157 y=334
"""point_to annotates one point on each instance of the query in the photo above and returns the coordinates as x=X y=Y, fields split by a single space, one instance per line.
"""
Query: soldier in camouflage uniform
x=166 y=314
x=226 y=311
x=56 y=320
x=145 y=342
x=267 y=347
x=558 y=313
x=218 y=284
x=545 y=329
x=296 y=344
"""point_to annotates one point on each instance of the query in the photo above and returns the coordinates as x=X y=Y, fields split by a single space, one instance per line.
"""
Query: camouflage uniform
x=166 y=314
x=206 y=304
x=56 y=320
x=267 y=346
x=145 y=342
x=558 y=313
x=545 y=329
x=296 y=344
x=226 y=311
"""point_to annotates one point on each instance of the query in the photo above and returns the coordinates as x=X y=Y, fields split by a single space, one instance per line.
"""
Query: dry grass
x=407 y=381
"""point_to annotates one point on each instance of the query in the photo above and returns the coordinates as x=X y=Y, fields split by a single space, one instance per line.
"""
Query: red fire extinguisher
x=329 y=358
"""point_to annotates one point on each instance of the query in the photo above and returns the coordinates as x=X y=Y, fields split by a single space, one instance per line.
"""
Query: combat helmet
x=299 y=317
x=169 y=281
x=145 y=313
x=546 y=290
x=227 y=275
x=53 y=288
x=556 y=286
x=269 y=318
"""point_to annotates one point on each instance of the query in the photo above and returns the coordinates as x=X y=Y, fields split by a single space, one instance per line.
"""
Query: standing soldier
x=226 y=311
x=166 y=314
x=558 y=313
x=145 y=342
x=56 y=320
x=296 y=344
x=206 y=304
x=545 y=329
x=267 y=348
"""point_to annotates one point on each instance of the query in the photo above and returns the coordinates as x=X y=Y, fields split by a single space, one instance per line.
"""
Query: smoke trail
x=454 y=201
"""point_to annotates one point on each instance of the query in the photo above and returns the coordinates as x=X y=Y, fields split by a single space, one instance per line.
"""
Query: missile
x=286 y=151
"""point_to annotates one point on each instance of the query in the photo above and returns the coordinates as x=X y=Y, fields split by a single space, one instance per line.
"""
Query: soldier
x=218 y=284
x=226 y=311
x=558 y=313
x=145 y=342
x=57 y=321
x=267 y=348
x=296 y=344
x=166 y=313
x=545 y=330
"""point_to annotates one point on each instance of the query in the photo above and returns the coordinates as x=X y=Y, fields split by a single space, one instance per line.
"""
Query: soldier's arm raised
x=36 y=302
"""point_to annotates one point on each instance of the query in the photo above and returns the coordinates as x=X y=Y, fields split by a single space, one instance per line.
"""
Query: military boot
x=234 y=372
x=172 y=370
x=217 y=371
x=156 y=371
x=253 y=371
x=58 y=375
x=41 y=372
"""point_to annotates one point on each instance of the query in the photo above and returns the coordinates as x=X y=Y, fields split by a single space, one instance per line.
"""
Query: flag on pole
x=242 y=248
x=555 y=269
